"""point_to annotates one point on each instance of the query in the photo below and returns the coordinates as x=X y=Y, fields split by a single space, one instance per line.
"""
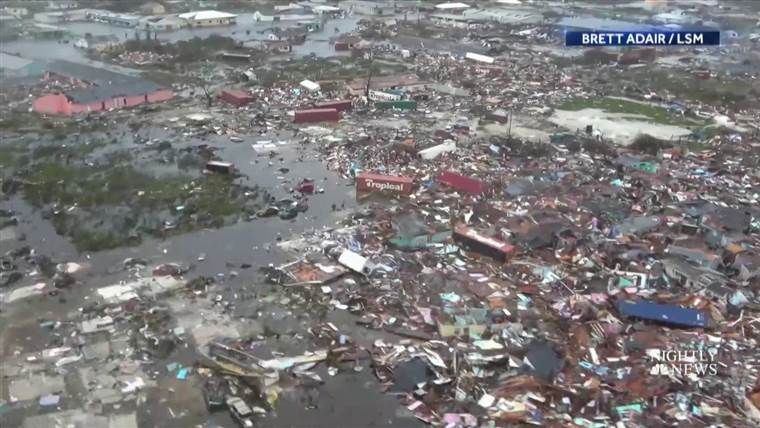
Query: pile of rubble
x=143 y=58
x=584 y=288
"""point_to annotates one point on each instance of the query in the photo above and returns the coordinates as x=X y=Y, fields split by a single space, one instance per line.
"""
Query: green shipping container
x=648 y=167
x=419 y=242
x=400 y=105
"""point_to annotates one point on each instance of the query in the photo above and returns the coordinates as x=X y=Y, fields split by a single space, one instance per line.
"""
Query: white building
x=18 y=12
x=162 y=23
x=207 y=18
x=452 y=7
x=60 y=5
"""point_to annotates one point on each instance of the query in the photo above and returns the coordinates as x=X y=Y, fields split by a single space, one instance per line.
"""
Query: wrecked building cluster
x=425 y=214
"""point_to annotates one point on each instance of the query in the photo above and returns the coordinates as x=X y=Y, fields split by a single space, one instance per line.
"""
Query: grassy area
x=50 y=182
x=9 y=154
x=160 y=77
x=90 y=240
x=718 y=90
x=183 y=51
x=613 y=105
x=208 y=201
x=75 y=150
x=344 y=68
x=18 y=120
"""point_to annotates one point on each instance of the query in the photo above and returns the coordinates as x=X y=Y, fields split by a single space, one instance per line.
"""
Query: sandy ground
x=618 y=127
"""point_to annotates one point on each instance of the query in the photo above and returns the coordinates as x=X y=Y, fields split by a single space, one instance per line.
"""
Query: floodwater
x=348 y=399
x=351 y=398
x=246 y=29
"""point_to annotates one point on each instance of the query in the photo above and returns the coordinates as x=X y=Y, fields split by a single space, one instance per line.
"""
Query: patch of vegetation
x=89 y=240
x=183 y=51
x=717 y=90
x=52 y=182
x=14 y=121
x=161 y=77
x=589 y=144
x=523 y=148
x=645 y=143
x=74 y=150
x=115 y=204
x=9 y=154
x=327 y=69
x=119 y=157
x=614 y=105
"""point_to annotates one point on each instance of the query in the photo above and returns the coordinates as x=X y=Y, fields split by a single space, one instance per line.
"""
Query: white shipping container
x=480 y=58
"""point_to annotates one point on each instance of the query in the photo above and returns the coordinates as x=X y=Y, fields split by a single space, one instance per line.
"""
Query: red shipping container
x=317 y=115
x=340 y=105
x=306 y=186
x=369 y=182
x=236 y=97
x=483 y=244
x=460 y=182
x=440 y=134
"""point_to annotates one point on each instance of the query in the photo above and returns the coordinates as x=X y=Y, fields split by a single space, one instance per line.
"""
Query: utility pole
x=369 y=76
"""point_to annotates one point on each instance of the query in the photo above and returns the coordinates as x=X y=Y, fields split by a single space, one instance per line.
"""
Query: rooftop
x=107 y=92
x=452 y=6
x=97 y=76
x=108 y=84
x=206 y=14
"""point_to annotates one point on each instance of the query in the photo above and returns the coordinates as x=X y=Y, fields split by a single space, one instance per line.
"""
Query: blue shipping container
x=667 y=314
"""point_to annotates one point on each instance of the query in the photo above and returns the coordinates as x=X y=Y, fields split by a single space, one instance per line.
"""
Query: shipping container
x=340 y=105
x=236 y=97
x=398 y=105
x=220 y=167
x=310 y=86
x=342 y=46
x=369 y=182
x=629 y=58
x=317 y=115
x=480 y=58
x=482 y=244
x=663 y=313
x=383 y=96
x=306 y=186
x=441 y=134
x=460 y=182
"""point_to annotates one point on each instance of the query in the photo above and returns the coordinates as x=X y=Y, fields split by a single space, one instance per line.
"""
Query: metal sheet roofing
x=107 y=84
